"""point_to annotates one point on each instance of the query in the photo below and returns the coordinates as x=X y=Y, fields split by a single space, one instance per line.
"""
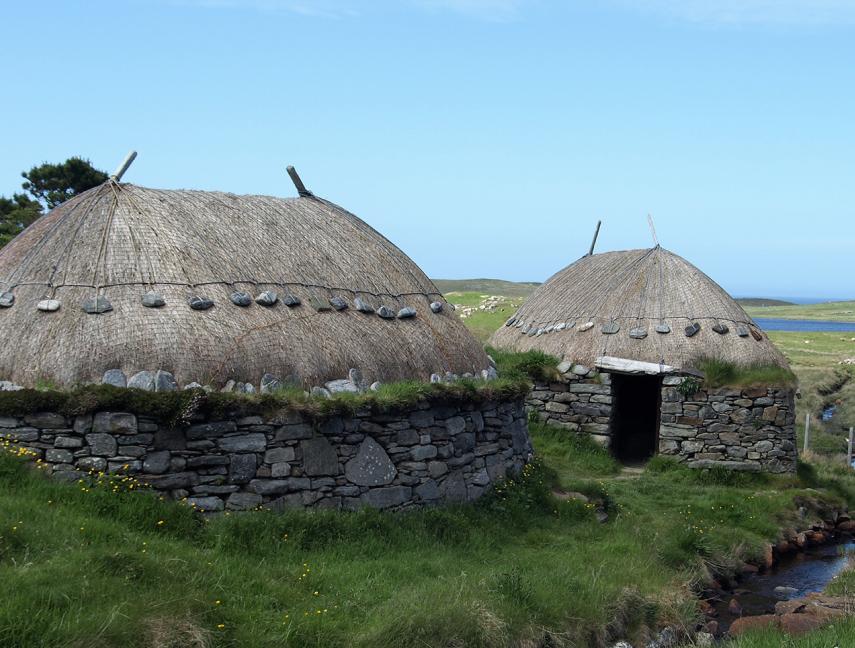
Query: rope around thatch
x=649 y=305
x=119 y=272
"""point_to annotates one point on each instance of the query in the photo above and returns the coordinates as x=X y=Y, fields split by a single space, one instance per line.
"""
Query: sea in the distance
x=776 y=324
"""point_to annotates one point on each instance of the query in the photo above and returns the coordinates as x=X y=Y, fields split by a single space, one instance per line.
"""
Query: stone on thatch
x=267 y=298
x=240 y=298
x=153 y=300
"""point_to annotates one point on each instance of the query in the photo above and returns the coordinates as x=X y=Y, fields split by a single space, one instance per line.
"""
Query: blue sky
x=484 y=137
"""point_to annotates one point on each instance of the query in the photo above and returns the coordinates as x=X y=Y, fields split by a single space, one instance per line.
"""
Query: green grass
x=86 y=566
x=843 y=311
x=816 y=358
x=483 y=323
x=178 y=407
x=530 y=365
x=718 y=373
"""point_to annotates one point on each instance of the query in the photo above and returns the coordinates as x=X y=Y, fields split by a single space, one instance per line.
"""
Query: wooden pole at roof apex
x=120 y=170
x=652 y=230
x=596 y=234
x=295 y=178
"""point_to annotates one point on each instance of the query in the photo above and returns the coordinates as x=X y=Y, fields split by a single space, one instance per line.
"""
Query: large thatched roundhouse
x=631 y=327
x=214 y=287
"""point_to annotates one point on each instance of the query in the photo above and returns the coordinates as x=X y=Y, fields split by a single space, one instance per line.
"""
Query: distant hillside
x=841 y=311
x=760 y=302
x=486 y=287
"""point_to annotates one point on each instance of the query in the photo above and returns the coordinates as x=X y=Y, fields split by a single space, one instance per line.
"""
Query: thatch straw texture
x=121 y=241
x=628 y=295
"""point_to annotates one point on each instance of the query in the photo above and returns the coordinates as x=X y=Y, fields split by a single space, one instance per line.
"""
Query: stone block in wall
x=68 y=442
x=668 y=446
x=453 y=487
x=770 y=413
x=157 y=462
x=319 y=457
x=58 y=455
x=584 y=388
x=102 y=445
x=173 y=481
x=457 y=424
x=555 y=406
x=206 y=504
x=371 y=466
x=387 y=497
x=294 y=432
x=23 y=434
x=278 y=455
x=46 y=421
x=114 y=423
x=242 y=468
x=243 y=501
x=428 y=491
x=254 y=442
x=211 y=430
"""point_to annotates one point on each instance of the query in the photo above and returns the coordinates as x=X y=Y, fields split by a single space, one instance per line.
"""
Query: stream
x=802 y=573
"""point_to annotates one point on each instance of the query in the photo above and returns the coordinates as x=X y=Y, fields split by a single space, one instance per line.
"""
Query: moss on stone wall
x=180 y=406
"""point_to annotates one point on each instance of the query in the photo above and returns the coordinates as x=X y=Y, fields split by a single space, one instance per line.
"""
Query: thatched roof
x=641 y=304
x=120 y=242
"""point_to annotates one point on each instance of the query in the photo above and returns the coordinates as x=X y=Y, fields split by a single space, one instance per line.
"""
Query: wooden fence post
x=807 y=432
x=849 y=454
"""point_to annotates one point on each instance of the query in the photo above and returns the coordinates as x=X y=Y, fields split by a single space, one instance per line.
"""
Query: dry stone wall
x=437 y=452
x=740 y=429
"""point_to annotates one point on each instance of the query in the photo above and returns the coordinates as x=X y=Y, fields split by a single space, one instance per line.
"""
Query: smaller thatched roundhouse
x=631 y=328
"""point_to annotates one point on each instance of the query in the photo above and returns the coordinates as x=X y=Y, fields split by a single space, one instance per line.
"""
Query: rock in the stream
x=734 y=607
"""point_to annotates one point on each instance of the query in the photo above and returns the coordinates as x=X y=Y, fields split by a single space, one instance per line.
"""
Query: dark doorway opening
x=635 y=417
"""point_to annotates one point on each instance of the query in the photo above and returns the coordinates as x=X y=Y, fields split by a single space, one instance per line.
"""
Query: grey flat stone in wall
x=243 y=501
x=255 y=442
x=242 y=468
x=157 y=462
x=371 y=466
x=319 y=457
x=279 y=455
x=97 y=464
x=206 y=504
x=46 y=420
x=114 y=423
x=103 y=445
x=387 y=497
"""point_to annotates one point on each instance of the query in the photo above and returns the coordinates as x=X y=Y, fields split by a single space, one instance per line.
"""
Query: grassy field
x=96 y=566
x=843 y=311
x=816 y=359
x=481 y=321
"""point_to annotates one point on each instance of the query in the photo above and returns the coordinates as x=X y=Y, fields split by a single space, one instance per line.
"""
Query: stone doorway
x=636 y=402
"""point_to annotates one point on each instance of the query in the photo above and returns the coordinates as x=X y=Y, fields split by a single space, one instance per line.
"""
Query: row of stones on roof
x=268 y=298
x=160 y=381
x=638 y=332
